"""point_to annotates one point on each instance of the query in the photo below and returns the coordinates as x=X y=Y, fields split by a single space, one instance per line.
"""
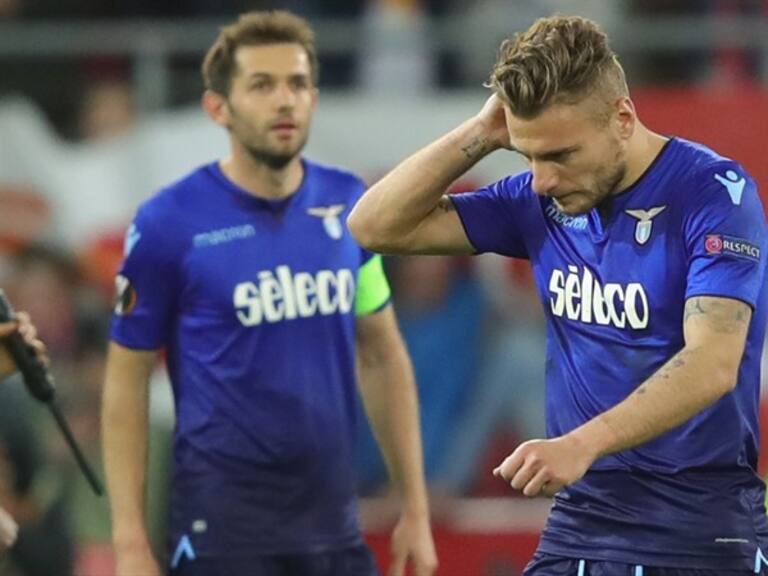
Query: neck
x=261 y=180
x=644 y=147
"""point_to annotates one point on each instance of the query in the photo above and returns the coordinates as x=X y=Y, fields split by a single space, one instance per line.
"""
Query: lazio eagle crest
x=644 y=222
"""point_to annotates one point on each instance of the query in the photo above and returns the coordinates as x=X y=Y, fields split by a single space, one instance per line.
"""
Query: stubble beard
x=270 y=158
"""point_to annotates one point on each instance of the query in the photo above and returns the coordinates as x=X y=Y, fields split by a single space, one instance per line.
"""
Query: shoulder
x=709 y=178
x=162 y=219
x=703 y=168
x=171 y=201
x=334 y=178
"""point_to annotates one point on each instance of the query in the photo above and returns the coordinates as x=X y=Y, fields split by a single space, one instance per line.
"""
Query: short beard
x=610 y=185
x=608 y=188
x=270 y=159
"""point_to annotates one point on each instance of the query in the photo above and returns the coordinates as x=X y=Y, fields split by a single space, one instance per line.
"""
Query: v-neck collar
x=598 y=229
x=254 y=202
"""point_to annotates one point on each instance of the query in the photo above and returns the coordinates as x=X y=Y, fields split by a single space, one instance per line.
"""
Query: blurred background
x=99 y=107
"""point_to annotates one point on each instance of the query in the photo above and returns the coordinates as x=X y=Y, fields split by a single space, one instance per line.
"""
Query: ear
x=217 y=108
x=626 y=117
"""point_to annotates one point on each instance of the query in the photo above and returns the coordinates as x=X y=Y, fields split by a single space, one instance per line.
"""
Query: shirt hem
x=648 y=558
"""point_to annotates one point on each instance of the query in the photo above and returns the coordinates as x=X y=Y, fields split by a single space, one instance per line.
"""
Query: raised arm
x=407 y=211
x=696 y=377
x=124 y=430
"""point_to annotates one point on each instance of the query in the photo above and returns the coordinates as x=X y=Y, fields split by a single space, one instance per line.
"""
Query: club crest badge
x=330 y=216
x=644 y=224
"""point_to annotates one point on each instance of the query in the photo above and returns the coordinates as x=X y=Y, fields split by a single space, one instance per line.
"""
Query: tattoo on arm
x=722 y=316
x=677 y=361
x=476 y=148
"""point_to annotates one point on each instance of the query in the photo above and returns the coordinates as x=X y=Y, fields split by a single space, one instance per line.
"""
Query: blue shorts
x=357 y=561
x=547 y=565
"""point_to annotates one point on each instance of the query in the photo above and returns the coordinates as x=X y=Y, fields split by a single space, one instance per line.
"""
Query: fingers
x=28 y=332
x=534 y=486
x=8 y=530
x=527 y=472
x=7 y=328
x=397 y=567
x=425 y=569
x=551 y=488
x=509 y=467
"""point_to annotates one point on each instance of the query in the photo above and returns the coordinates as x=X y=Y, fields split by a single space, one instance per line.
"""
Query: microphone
x=37 y=379
x=41 y=386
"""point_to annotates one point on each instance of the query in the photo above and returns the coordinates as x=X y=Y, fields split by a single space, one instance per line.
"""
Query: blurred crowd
x=378 y=45
x=473 y=329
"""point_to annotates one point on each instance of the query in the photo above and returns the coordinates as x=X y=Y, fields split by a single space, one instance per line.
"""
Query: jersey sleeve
x=147 y=285
x=725 y=235
x=490 y=217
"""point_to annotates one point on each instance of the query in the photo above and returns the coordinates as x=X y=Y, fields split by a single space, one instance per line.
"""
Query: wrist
x=592 y=439
x=475 y=139
x=130 y=541
x=415 y=508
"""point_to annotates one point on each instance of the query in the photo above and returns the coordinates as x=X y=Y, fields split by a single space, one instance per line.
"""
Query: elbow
x=726 y=375
x=366 y=231
x=360 y=229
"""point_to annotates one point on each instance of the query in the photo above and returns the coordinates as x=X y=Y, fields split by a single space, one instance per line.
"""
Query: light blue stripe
x=639 y=571
x=760 y=559
x=582 y=567
x=183 y=550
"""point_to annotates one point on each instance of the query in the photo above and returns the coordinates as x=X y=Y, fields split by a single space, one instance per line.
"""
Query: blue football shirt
x=255 y=303
x=614 y=289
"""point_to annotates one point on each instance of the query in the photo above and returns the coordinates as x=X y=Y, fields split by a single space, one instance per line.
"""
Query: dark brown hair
x=559 y=59
x=255 y=29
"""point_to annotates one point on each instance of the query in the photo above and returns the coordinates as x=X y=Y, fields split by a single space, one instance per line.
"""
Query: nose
x=285 y=96
x=545 y=178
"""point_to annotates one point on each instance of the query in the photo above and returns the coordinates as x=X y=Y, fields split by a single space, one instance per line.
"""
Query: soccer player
x=244 y=272
x=649 y=256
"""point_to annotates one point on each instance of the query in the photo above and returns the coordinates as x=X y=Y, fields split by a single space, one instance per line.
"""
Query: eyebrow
x=255 y=75
x=550 y=155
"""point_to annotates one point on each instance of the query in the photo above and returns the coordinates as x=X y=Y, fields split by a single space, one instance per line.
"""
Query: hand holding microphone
x=28 y=333
x=27 y=353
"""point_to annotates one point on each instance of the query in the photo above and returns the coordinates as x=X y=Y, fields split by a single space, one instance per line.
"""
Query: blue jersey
x=255 y=303
x=614 y=286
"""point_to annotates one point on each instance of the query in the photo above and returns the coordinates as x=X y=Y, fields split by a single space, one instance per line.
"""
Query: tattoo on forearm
x=476 y=148
x=722 y=316
x=665 y=373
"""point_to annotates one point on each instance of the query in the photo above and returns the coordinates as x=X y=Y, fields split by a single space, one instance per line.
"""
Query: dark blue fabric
x=254 y=302
x=614 y=282
x=546 y=565
x=357 y=561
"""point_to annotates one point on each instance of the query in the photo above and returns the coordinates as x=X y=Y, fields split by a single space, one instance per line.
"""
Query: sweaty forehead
x=272 y=59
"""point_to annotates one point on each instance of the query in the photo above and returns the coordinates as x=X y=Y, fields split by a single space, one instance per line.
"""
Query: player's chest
x=276 y=260
x=623 y=274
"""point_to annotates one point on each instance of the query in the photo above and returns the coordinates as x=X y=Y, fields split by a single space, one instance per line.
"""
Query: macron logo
x=733 y=184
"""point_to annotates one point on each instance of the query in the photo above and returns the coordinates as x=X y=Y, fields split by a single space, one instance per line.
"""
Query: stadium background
x=98 y=107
